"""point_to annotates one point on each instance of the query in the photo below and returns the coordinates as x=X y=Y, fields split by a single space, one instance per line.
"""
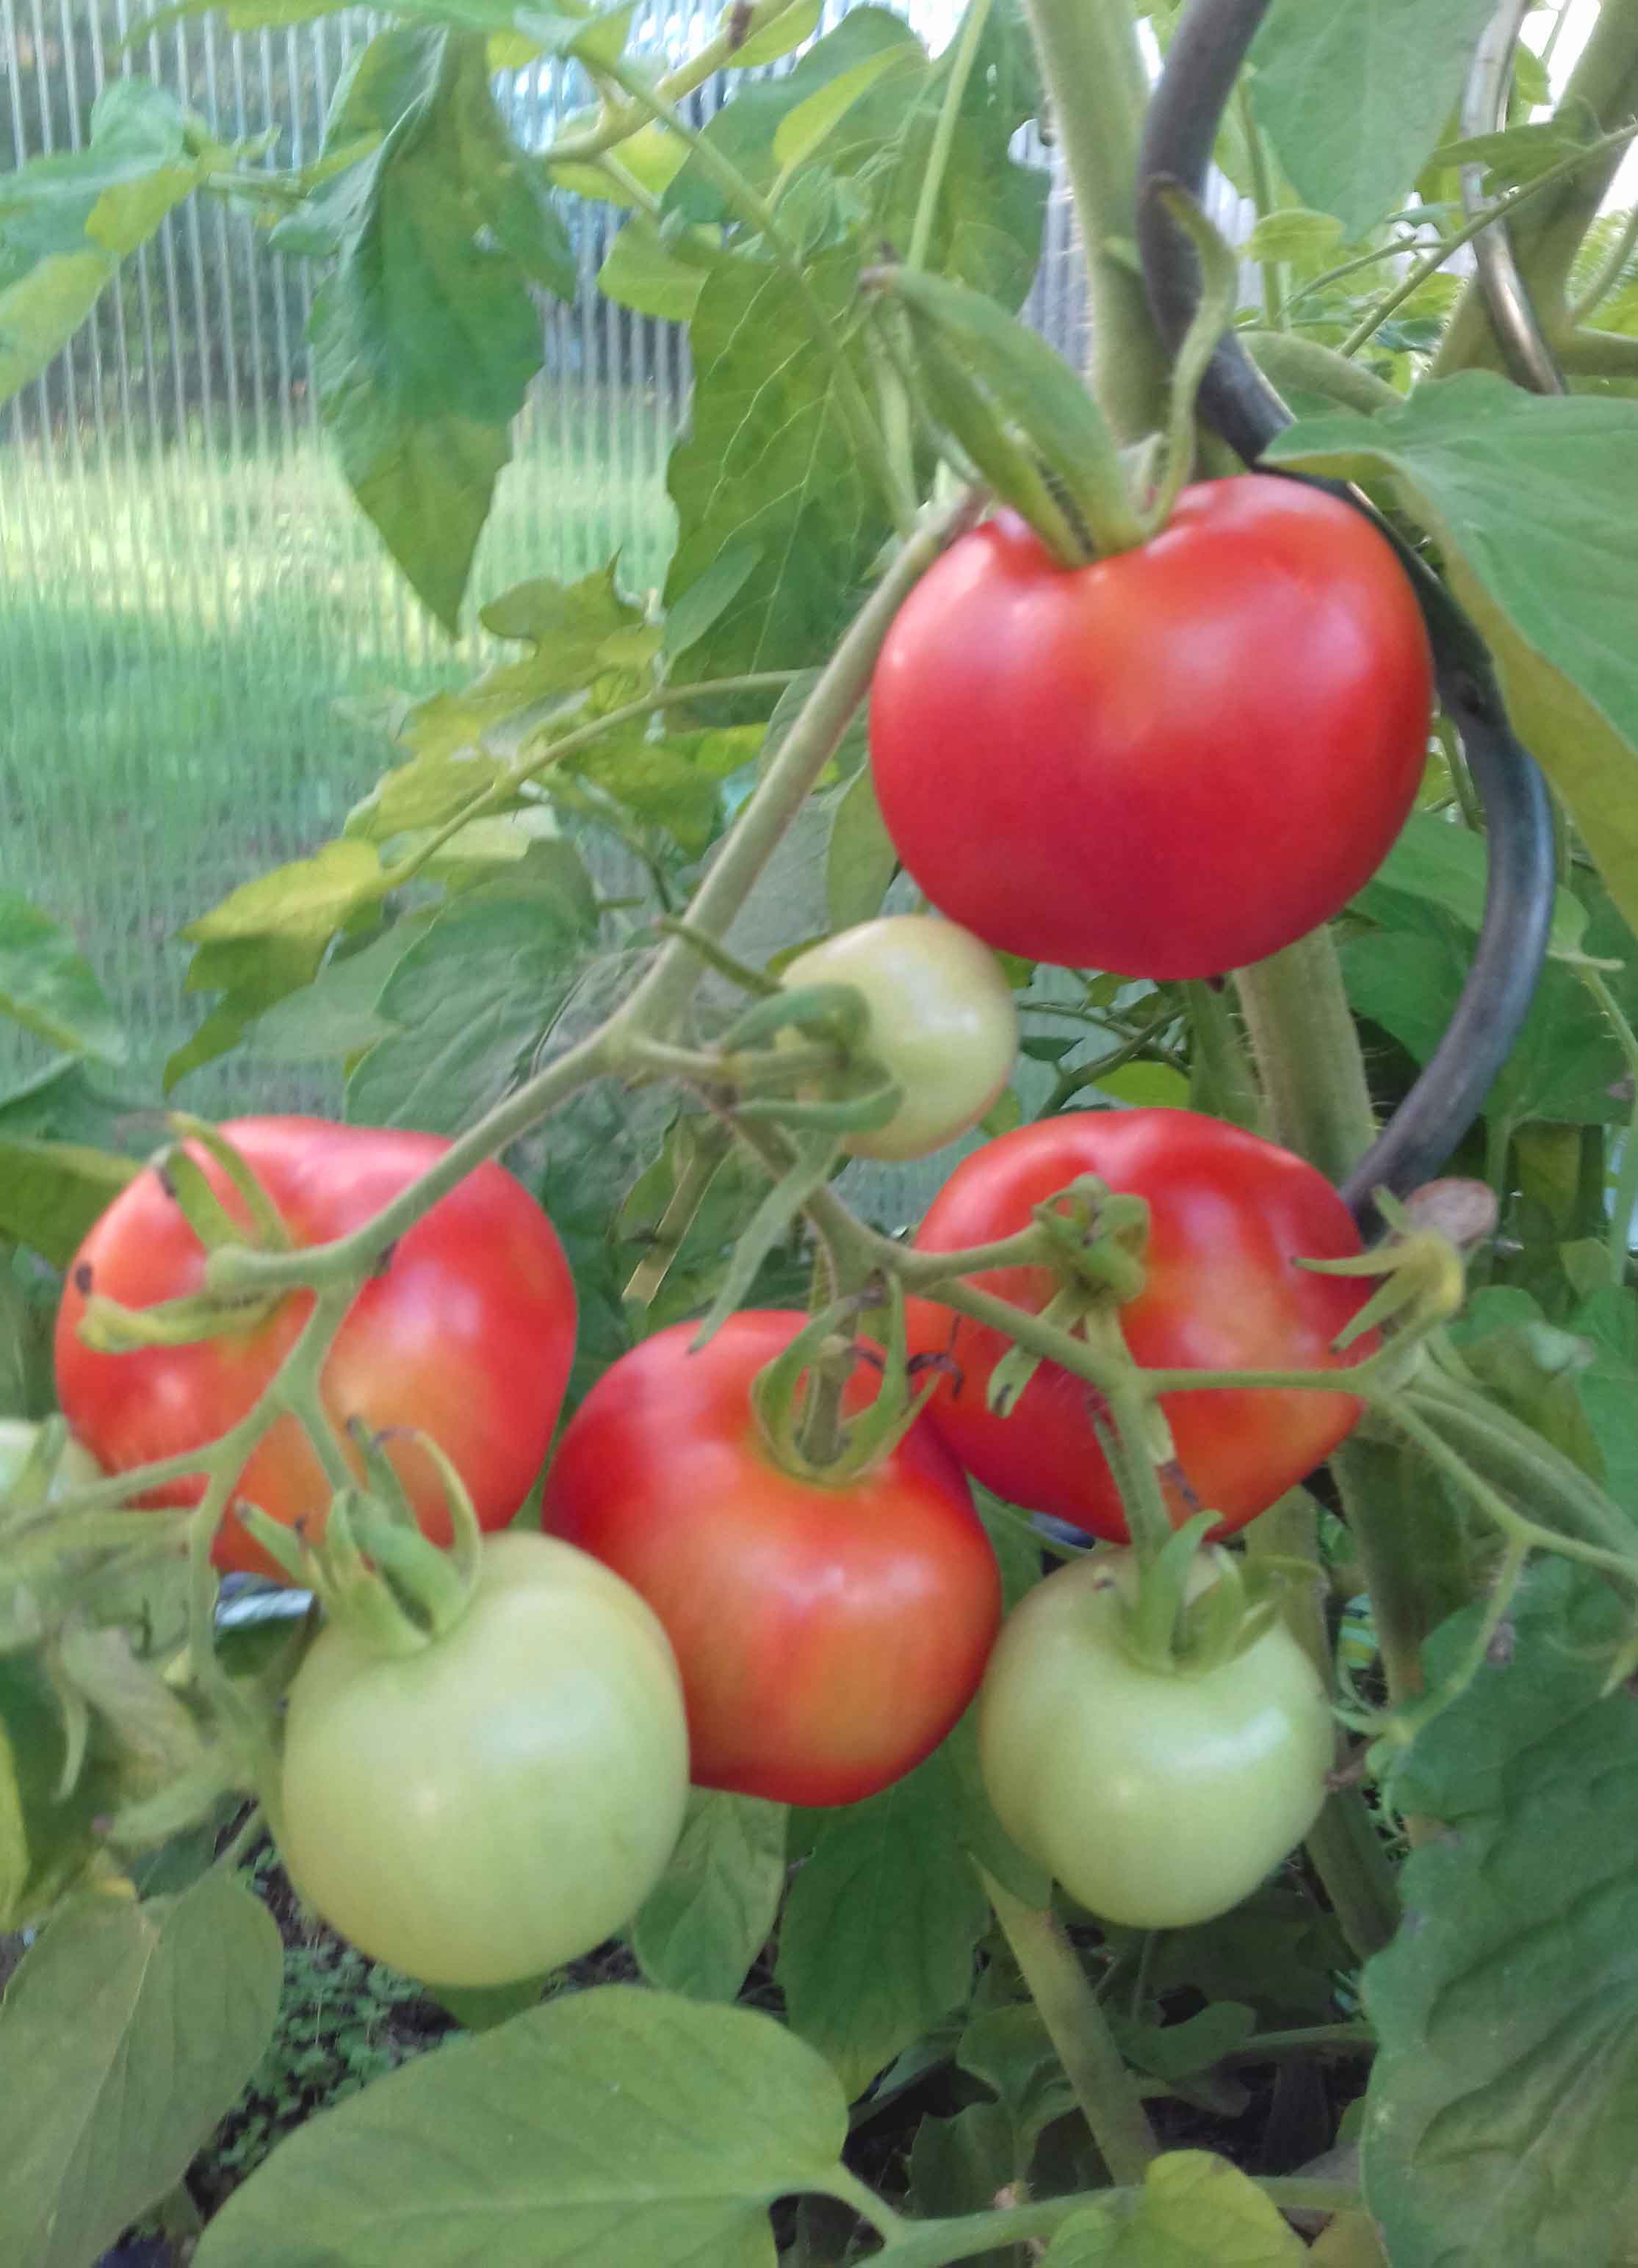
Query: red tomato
x=828 y=1638
x=468 y=1334
x=1229 y=1215
x=1170 y=763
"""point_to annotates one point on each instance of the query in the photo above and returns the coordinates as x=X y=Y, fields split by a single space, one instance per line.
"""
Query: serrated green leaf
x=425 y=338
x=1564 y=1066
x=860 y=860
x=1196 y=2210
x=48 y=986
x=1351 y=119
x=712 y=1911
x=467 y=1002
x=770 y=463
x=1500 y=2108
x=51 y=1193
x=124 y=2036
x=803 y=129
x=654 y=277
x=876 y=1943
x=66 y=220
x=1533 y=502
x=1293 y=232
x=309 y=898
x=610 y=2129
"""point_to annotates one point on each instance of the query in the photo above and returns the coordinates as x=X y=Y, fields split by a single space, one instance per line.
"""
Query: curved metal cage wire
x=1207 y=51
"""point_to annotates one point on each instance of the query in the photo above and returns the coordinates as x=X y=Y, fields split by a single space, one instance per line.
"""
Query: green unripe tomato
x=501 y=1800
x=1157 y=1799
x=941 y=1021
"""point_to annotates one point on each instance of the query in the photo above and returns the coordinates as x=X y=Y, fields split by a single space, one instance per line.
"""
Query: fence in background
x=187 y=592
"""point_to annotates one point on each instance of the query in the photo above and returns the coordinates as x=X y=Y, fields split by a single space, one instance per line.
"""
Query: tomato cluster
x=1085 y=766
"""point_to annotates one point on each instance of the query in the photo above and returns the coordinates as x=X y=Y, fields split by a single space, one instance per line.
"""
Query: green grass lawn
x=175 y=632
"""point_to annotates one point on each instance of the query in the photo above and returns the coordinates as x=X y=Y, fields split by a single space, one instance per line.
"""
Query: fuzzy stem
x=1078 y=2029
x=1098 y=89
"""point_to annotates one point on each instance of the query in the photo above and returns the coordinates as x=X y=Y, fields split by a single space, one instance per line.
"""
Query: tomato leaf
x=126 y=2034
x=1351 y=120
x=1447 y=866
x=712 y=1911
x=425 y=337
x=1194 y=2209
x=606 y=2129
x=1533 y=502
x=69 y=219
x=878 y=1938
x=860 y=860
x=51 y=1192
x=770 y=461
x=48 y=986
x=1500 y=2109
x=1565 y=1066
x=468 y=1001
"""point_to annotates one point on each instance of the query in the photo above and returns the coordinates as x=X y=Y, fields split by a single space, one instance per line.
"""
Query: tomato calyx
x=1190 y=1610
x=1094 y=1240
x=1423 y=1279
x=374 y=1569
x=109 y=1327
x=797 y=1399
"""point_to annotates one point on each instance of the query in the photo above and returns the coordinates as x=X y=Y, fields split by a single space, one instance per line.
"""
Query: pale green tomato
x=500 y=1801
x=76 y=1468
x=1156 y=1800
x=941 y=1020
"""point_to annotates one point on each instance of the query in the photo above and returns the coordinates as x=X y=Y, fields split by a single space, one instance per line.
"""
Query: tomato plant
x=501 y=1800
x=467 y=1333
x=1170 y=763
x=74 y=1467
x=828 y=1636
x=1157 y=1797
x=1230 y=1217
x=940 y=1020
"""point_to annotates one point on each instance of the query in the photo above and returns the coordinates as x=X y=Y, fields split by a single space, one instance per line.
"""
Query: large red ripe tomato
x=468 y=1333
x=1230 y=1214
x=1167 y=763
x=829 y=1637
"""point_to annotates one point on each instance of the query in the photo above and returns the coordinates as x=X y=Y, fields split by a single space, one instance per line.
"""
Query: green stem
x=1293 y=365
x=933 y=2244
x=1222 y=1080
x=1388 y=1522
x=1098 y=88
x=785 y=786
x=1606 y=275
x=1314 y=2039
x=618 y=125
x=1344 y=1848
x=1547 y=238
x=1434 y=258
x=500 y=792
x=1079 y=2030
x=1590 y=1525
x=961 y=62
x=349 y=1258
x=1308 y=1054
x=1626 y=1194
x=755 y=211
x=1273 y=278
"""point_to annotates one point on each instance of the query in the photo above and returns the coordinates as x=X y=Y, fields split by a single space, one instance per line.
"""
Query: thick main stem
x=1079 y=2030
x=1098 y=88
